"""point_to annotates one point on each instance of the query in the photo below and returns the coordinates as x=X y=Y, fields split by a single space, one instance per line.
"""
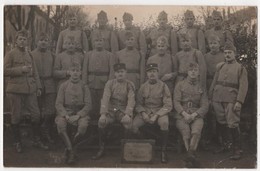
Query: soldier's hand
x=145 y=117
x=67 y=117
x=187 y=117
x=194 y=115
x=26 y=69
x=126 y=119
x=73 y=119
x=39 y=92
x=237 y=107
x=166 y=77
x=102 y=120
x=153 y=118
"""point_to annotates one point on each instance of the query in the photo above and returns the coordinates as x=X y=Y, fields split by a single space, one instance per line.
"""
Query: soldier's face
x=130 y=42
x=193 y=73
x=120 y=74
x=161 y=48
x=152 y=74
x=73 y=21
x=229 y=55
x=99 y=43
x=21 y=41
x=162 y=21
x=102 y=21
x=43 y=43
x=189 y=21
x=214 y=46
x=217 y=21
x=186 y=44
x=75 y=74
x=70 y=46
x=128 y=23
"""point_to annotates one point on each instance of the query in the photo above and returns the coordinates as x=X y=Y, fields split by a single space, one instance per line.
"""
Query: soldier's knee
x=164 y=125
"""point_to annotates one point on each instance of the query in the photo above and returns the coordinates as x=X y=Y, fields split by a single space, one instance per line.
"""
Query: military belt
x=182 y=74
x=133 y=71
x=189 y=104
x=99 y=73
x=74 y=107
x=226 y=84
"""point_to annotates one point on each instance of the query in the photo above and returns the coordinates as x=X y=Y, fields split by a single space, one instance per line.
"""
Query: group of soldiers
x=190 y=73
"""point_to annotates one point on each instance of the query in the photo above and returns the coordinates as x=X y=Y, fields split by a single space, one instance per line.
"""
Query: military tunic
x=153 y=99
x=229 y=86
x=140 y=42
x=80 y=38
x=118 y=100
x=135 y=65
x=73 y=99
x=21 y=88
x=166 y=65
x=44 y=62
x=190 y=97
x=110 y=39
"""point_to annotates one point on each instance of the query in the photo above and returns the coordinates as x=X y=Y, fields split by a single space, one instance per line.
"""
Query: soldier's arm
x=142 y=43
x=201 y=41
x=174 y=42
x=131 y=100
x=204 y=105
x=112 y=61
x=243 y=86
x=9 y=70
x=167 y=102
x=57 y=72
x=85 y=69
x=59 y=43
x=114 y=42
x=87 y=101
x=85 y=46
x=215 y=79
x=203 y=69
x=61 y=111
x=177 y=98
x=140 y=101
x=142 y=69
x=106 y=97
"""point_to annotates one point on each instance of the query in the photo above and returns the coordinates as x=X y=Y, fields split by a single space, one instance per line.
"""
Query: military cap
x=192 y=65
x=119 y=66
x=102 y=15
x=42 y=36
x=163 y=14
x=127 y=16
x=213 y=37
x=216 y=14
x=22 y=32
x=98 y=36
x=151 y=66
x=162 y=40
x=75 y=65
x=230 y=46
x=72 y=14
x=129 y=34
x=189 y=13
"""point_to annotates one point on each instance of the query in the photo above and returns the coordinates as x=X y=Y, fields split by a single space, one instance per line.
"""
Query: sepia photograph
x=130 y=86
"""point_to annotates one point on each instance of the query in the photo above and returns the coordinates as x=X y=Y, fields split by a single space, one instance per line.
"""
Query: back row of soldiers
x=86 y=86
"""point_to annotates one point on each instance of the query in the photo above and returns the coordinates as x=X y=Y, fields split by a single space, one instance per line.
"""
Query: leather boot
x=164 y=158
x=37 y=137
x=17 y=138
x=226 y=139
x=236 y=144
x=101 y=151
x=46 y=125
x=69 y=155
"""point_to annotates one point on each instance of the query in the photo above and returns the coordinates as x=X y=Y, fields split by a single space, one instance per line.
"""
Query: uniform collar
x=192 y=81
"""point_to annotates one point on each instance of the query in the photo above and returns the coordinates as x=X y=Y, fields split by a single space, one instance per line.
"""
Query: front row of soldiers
x=84 y=91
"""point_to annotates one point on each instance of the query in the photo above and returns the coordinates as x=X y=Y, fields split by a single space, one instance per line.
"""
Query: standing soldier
x=97 y=70
x=154 y=103
x=81 y=41
x=191 y=104
x=139 y=42
x=110 y=39
x=228 y=92
x=64 y=61
x=223 y=34
x=187 y=55
x=163 y=30
x=197 y=35
x=167 y=70
x=117 y=104
x=22 y=88
x=134 y=60
x=44 y=61
x=73 y=104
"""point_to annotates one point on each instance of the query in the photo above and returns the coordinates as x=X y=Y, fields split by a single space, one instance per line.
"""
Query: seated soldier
x=117 y=104
x=191 y=104
x=73 y=104
x=154 y=102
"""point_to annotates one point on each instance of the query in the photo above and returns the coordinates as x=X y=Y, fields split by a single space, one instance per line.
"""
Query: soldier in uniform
x=81 y=41
x=187 y=55
x=134 y=60
x=165 y=61
x=64 y=61
x=139 y=42
x=153 y=104
x=163 y=30
x=73 y=104
x=97 y=70
x=223 y=34
x=110 y=38
x=228 y=92
x=191 y=104
x=22 y=89
x=197 y=35
x=44 y=61
x=117 y=104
